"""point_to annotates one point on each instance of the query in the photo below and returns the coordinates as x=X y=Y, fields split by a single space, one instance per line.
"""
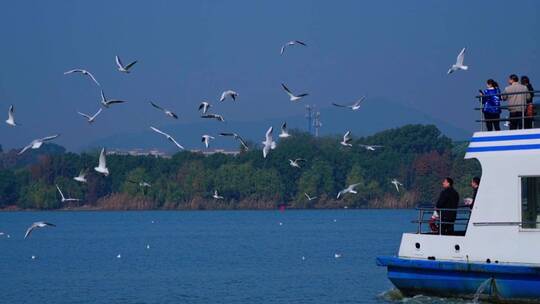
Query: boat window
x=530 y=202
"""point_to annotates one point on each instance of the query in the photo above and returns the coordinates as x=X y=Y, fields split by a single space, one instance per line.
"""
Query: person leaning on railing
x=491 y=105
x=530 y=112
x=516 y=102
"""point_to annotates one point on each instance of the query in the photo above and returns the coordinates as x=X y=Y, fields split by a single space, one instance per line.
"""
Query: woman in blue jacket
x=491 y=105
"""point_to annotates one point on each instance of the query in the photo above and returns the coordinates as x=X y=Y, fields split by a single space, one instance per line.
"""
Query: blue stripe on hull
x=511 y=282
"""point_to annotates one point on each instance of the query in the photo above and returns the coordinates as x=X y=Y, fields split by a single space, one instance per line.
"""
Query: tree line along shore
x=417 y=155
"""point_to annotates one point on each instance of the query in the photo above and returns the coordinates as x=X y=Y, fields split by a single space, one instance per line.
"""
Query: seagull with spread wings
x=102 y=164
x=37 y=143
x=11 y=117
x=293 y=97
x=284 y=131
x=295 y=163
x=229 y=93
x=92 y=118
x=310 y=198
x=108 y=102
x=81 y=178
x=170 y=138
x=124 y=68
x=206 y=139
x=346 y=139
x=349 y=189
x=269 y=143
x=290 y=43
x=354 y=106
x=214 y=116
x=167 y=112
x=237 y=137
x=37 y=225
x=204 y=106
x=459 y=63
x=63 y=198
x=84 y=72
x=371 y=147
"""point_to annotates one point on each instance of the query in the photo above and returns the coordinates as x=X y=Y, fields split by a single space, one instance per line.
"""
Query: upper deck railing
x=428 y=224
x=523 y=111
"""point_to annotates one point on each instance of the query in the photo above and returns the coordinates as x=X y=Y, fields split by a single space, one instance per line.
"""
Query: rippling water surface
x=202 y=257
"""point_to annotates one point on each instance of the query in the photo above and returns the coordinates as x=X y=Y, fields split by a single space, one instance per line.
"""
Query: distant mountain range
x=374 y=116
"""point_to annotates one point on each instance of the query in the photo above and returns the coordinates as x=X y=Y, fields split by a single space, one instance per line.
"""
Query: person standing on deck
x=491 y=105
x=530 y=106
x=448 y=199
x=516 y=102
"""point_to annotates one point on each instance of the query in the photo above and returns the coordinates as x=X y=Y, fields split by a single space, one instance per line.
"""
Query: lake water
x=201 y=257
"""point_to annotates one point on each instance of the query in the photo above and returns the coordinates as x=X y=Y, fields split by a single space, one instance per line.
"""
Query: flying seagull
x=102 y=165
x=141 y=184
x=37 y=225
x=84 y=72
x=289 y=43
x=121 y=67
x=370 y=147
x=459 y=63
x=346 y=139
x=81 y=178
x=214 y=116
x=216 y=195
x=64 y=199
x=310 y=198
x=296 y=162
x=269 y=143
x=11 y=117
x=397 y=184
x=293 y=97
x=349 y=189
x=92 y=118
x=204 y=106
x=237 y=137
x=170 y=138
x=167 y=112
x=354 y=106
x=107 y=102
x=284 y=132
x=36 y=143
x=206 y=139
x=228 y=93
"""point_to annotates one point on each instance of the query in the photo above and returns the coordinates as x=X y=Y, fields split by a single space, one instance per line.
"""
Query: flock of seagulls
x=268 y=143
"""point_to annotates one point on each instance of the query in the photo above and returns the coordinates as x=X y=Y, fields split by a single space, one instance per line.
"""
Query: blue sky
x=189 y=51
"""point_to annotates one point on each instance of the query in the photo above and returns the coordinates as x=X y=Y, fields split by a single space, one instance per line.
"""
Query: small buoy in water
x=280 y=223
x=337 y=255
x=303 y=258
x=152 y=222
x=147 y=246
x=335 y=220
x=119 y=256
x=34 y=257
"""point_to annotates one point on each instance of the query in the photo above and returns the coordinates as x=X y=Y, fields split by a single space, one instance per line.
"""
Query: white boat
x=496 y=254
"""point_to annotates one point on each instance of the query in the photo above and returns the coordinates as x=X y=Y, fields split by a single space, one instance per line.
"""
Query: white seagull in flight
x=269 y=143
x=295 y=163
x=397 y=184
x=206 y=139
x=370 y=147
x=289 y=43
x=107 y=102
x=204 y=106
x=11 y=117
x=37 y=225
x=228 y=93
x=37 y=143
x=102 y=164
x=121 y=67
x=84 y=72
x=167 y=112
x=346 y=139
x=214 y=116
x=92 y=118
x=293 y=97
x=310 y=198
x=81 y=178
x=284 y=132
x=459 y=63
x=141 y=184
x=64 y=199
x=216 y=195
x=237 y=137
x=170 y=138
x=354 y=106
x=349 y=189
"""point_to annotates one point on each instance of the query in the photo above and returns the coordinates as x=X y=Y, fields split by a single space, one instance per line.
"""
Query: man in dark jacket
x=448 y=199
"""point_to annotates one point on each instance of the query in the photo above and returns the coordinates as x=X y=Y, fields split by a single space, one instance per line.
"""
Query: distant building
x=139 y=152
x=221 y=151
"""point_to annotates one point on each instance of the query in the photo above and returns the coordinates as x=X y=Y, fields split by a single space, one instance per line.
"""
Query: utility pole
x=317 y=123
x=309 y=116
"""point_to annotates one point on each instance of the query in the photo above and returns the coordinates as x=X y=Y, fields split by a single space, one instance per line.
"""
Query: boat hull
x=502 y=282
